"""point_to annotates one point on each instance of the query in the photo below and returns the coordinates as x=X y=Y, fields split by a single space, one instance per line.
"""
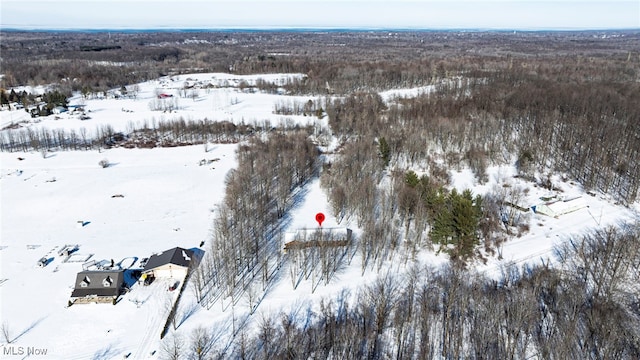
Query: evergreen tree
x=13 y=97
x=411 y=179
x=4 y=98
x=55 y=98
x=434 y=197
x=384 y=150
x=455 y=227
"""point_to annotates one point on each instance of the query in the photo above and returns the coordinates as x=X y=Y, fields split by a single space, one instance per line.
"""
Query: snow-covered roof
x=560 y=207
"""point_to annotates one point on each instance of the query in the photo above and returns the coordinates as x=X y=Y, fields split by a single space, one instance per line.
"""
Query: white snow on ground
x=390 y=95
x=536 y=245
x=218 y=96
x=169 y=200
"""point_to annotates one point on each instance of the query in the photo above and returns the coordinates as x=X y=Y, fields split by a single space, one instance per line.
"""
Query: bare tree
x=606 y=259
x=201 y=343
x=243 y=347
x=268 y=337
x=135 y=89
x=252 y=297
x=194 y=94
x=173 y=347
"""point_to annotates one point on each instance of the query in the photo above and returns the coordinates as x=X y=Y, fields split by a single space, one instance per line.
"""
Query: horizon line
x=312 y=29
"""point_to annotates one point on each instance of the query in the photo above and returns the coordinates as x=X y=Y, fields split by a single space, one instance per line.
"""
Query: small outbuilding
x=318 y=237
x=42 y=262
x=560 y=207
x=98 y=286
x=173 y=263
x=76 y=108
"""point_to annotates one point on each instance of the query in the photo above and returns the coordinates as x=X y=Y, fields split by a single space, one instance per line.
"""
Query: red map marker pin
x=320 y=218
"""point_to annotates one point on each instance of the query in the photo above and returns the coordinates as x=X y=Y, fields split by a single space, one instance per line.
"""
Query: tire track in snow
x=154 y=320
x=158 y=301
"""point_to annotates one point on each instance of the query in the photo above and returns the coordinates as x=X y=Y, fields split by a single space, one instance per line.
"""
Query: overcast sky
x=216 y=14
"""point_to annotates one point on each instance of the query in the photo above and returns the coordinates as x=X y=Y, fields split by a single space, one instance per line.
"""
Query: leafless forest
x=552 y=103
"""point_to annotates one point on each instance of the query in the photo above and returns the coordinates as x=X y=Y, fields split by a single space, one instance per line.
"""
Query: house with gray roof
x=95 y=286
x=173 y=263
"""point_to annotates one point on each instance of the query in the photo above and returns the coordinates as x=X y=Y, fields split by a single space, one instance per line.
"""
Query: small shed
x=76 y=108
x=98 y=286
x=318 y=237
x=560 y=207
x=15 y=106
x=42 y=262
x=173 y=263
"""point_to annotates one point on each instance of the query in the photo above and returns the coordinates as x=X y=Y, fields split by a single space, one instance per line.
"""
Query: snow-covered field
x=150 y=200
x=215 y=96
x=167 y=201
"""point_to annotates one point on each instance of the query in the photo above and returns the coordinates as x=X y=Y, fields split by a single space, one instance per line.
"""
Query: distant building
x=42 y=262
x=173 y=263
x=15 y=106
x=98 y=286
x=76 y=108
x=317 y=237
x=559 y=207
x=59 y=110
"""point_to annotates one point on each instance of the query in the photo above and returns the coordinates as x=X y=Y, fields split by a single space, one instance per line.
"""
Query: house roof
x=98 y=283
x=176 y=256
x=560 y=207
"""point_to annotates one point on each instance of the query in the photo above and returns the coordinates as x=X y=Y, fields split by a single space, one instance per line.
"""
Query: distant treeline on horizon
x=318 y=30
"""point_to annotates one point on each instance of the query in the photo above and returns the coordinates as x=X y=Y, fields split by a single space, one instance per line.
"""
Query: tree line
x=245 y=249
x=585 y=306
x=149 y=134
x=551 y=126
x=338 y=62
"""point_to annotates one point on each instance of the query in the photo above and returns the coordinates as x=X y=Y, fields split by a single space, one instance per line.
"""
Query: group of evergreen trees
x=454 y=217
x=455 y=227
